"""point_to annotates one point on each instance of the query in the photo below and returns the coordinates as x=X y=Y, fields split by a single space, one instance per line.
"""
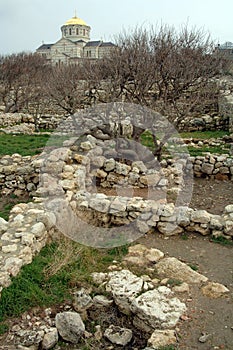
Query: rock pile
x=138 y=311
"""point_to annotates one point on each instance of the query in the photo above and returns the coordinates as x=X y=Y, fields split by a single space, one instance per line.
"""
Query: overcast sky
x=25 y=24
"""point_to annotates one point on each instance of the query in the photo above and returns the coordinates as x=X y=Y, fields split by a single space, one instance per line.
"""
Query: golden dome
x=75 y=20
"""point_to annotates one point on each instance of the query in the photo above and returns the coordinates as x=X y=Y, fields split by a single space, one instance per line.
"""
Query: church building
x=75 y=44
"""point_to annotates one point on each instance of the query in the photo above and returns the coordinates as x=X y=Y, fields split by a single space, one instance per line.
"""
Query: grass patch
x=194 y=151
x=9 y=202
x=204 y=135
x=147 y=140
x=27 y=145
x=172 y=282
x=193 y=267
x=54 y=272
x=222 y=240
x=3 y=328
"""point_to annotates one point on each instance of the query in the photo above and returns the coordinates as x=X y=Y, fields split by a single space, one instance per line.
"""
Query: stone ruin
x=66 y=184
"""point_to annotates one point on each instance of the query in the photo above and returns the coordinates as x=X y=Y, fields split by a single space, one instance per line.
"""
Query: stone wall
x=19 y=175
x=63 y=192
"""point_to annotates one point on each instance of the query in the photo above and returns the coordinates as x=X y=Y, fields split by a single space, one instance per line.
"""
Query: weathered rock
x=124 y=287
x=200 y=216
x=50 y=339
x=70 y=326
x=173 y=268
x=118 y=335
x=82 y=300
x=157 y=309
x=214 y=290
x=162 y=338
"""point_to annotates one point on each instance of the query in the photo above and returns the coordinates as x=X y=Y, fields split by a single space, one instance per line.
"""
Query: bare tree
x=20 y=79
x=171 y=72
x=68 y=88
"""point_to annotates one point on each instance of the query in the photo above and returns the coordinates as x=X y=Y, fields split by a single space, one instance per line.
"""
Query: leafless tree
x=20 y=79
x=170 y=71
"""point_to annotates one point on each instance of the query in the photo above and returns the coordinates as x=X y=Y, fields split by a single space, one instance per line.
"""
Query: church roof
x=45 y=47
x=75 y=20
x=93 y=43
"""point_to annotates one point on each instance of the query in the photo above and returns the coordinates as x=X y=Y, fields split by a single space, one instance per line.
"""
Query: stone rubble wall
x=147 y=215
x=19 y=175
x=19 y=122
x=63 y=180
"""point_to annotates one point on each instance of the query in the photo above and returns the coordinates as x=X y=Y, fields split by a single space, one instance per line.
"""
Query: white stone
x=50 y=339
x=38 y=229
x=174 y=268
x=157 y=309
x=118 y=335
x=124 y=287
x=9 y=248
x=70 y=326
x=13 y=265
x=200 y=216
x=162 y=338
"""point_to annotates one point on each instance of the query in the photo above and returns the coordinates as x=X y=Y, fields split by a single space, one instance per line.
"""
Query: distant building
x=75 y=44
x=226 y=50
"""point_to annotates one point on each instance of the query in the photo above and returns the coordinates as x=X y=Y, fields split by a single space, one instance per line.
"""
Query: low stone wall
x=28 y=230
x=206 y=122
x=25 y=123
x=148 y=215
x=19 y=174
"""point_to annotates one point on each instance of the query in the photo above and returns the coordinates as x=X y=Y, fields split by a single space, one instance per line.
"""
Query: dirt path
x=211 y=316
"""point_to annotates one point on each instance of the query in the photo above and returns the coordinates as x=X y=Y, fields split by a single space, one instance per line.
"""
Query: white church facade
x=75 y=44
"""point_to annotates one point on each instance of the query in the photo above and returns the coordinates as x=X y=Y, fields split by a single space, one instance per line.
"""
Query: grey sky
x=24 y=24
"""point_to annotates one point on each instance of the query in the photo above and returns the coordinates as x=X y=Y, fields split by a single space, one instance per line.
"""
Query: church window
x=84 y=32
x=77 y=31
x=70 y=31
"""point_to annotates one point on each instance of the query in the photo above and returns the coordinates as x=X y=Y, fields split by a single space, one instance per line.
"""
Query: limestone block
x=109 y=164
x=173 y=268
x=140 y=166
x=228 y=209
x=162 y=338
x=13 y=265
x=207 y=168
x=50 y=339
x=157 y=309
x=38 y=229
x=118 y=335
x=169 y=228
x=150 y=179
x=70 y=326
x=122 y=169
x=124 y=287
x=214 y=290
x=98 y=204
x=200 y=216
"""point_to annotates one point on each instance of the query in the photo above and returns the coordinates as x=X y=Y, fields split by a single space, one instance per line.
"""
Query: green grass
x=52 y=275
x=193 y=267
x=27 y=145
x=204 y=135
x=12 y=201
x=193 y=151
x=146 y=139
x=222 y=240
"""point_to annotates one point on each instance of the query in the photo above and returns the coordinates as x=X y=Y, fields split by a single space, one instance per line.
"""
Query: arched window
x=84 y=32
x=70 y=31
x=77 y=31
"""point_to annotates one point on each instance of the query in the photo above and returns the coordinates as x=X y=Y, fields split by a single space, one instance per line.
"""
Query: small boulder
x=70 y=326
x=118 y=335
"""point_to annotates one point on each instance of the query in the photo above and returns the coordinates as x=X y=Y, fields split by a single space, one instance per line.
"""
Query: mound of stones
x=150 y=307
